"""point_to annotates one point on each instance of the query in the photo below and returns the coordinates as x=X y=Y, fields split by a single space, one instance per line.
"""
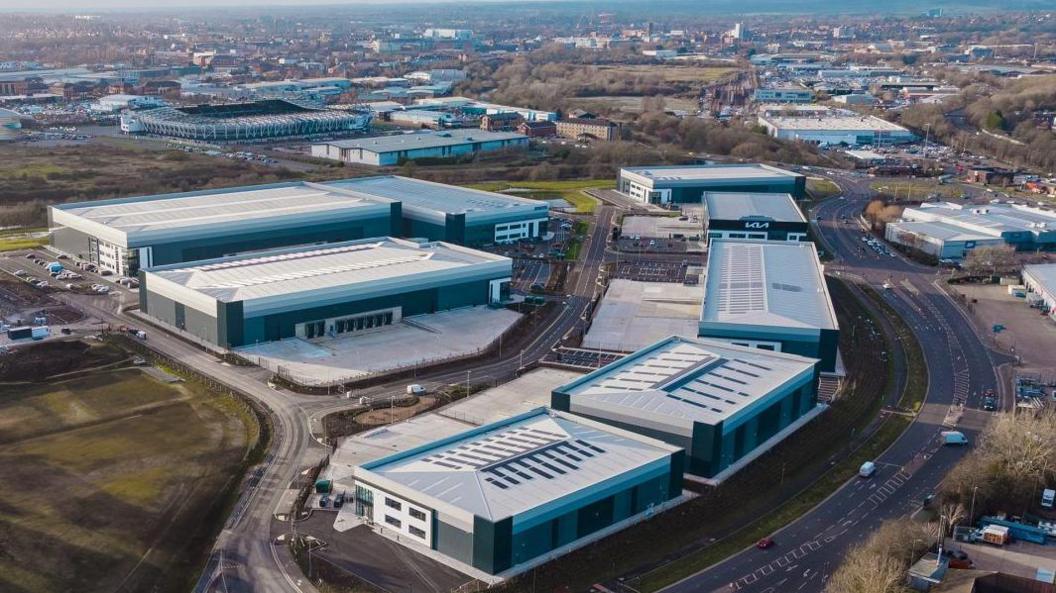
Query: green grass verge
x=15 y=239
x=916 y=189
x=820 y=189
x=579 y=232
x=570 y=190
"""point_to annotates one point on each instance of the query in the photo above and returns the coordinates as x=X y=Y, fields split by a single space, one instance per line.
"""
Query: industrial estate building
x=772 y=296
x=682 y=184
x=723 y=404
x=850 y=130
x=440 y=212
x=784 y=94
x=123 y=235
x=244 y=122
x=316 y=291
x=380 y=151
x=738 y=215
x=1040 y=279
x=939 y=239
x=953 y=229
x=505 y=496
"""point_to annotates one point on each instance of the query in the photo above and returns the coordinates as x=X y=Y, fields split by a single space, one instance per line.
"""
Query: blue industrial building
x=461 y=215
x=506 y=496
x=381 y=151
x=323 y=290
x=770 y=295
x=125 y=234
x=686 y=184
x=723 y=404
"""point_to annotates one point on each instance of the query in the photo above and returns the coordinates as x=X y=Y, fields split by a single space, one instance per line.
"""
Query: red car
x=765 y=543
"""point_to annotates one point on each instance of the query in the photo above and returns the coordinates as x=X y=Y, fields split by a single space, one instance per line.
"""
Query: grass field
x=107 y=480
x=915 y=189
x=569 y=190
x=111 y=169
x=820 y=189
x=633 y=104
x=673 y=73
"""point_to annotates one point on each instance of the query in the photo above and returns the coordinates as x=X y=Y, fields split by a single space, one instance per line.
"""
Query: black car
x=989 y=404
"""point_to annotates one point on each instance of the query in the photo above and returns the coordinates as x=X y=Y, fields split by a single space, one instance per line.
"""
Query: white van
x=867 y=470
x=415 y=389
x=1048 y=497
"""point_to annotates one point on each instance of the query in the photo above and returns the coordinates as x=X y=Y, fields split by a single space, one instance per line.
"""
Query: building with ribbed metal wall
x=770 y=295
x=686 y=184
x=504 y=497
x=245 y=122
x=125 y=234
x=316 y=291
x=461 y=215
x=723 y=404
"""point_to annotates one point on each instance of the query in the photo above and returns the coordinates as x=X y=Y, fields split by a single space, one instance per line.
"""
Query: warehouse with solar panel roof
x=503 y=497
x=770 y=295
x=723 y=404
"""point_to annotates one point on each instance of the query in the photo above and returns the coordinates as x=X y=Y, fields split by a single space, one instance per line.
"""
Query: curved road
x=245 y=558
x=959 y=367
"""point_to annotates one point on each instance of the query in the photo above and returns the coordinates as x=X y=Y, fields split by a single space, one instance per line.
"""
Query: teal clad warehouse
x=317 y=291
x=686 y=184
x=123 y=235
x=723 y=404
x=461 y=215
x=770 y=295
x=505 y=496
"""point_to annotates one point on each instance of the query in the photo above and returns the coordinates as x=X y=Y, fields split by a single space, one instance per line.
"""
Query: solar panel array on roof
x=521 y=464
x=775 y=284
x=686 y=380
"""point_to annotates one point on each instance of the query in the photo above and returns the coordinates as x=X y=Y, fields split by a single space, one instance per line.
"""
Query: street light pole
x=971 y=513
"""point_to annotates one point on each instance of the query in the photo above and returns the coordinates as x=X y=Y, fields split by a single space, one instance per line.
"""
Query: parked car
x=867 y=470
x=765 y=543
x=954 y=437
x=324 y=502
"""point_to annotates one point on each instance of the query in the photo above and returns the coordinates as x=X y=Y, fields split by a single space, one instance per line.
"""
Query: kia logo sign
x=757 y=225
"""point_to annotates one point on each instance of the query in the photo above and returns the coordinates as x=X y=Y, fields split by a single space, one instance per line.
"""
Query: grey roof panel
x=741 y=206
x=766 y=284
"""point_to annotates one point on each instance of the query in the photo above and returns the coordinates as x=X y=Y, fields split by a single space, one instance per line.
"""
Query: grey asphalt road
x=959 y=366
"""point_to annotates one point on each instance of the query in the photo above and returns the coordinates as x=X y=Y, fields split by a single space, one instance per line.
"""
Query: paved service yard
x=633 y=315
x=378 y=560
x=1032 y=335
x=418 y=340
